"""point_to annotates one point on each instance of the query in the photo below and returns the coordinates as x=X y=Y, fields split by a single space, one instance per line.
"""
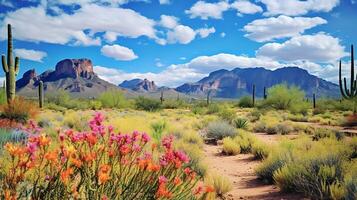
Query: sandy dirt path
x=240 y=170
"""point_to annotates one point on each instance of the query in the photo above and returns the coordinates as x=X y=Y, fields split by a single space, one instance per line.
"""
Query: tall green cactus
x=11 y=69
x=314 y=100
x=162 y=97
x=265 y=93
x=253 y=95
x=208 y=97
x=350 y=93
x=40 y=94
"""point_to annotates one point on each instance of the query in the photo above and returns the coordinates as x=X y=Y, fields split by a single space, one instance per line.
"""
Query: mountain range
x=78 y=78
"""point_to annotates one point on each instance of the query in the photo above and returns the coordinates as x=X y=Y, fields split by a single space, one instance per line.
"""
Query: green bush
x=230 y=147
x=112 y=99
x=174 y=104
x=213 y=108
x=245 y=102
x=158 y=130
x=281 y=128
x=147 y=104
x=260 y=150
x=321 y=133
x=353 y=146
x=227 y=114
x=220 y=130
x=95 y=104
x=254 y=115
x=282 y=97
x=240 y=123
x=2 y=96
x=260 y=127
x=245 y=140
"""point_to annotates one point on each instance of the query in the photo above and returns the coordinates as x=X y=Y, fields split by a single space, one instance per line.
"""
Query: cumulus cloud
x=267 y=29
x=29 y=54
x=181 y=34
x=164 y=1
x=205 y=32
x=206 y=10
x=168 y=21
x=118 y=52
x=316 y=48
x=74 y=28
x=246 y=7
x=298 y=7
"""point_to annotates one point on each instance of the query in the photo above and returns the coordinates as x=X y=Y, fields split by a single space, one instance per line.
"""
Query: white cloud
x=73 y=28
x=2 y=80
x=267 y=29
x=298 y=7
x=205 y=32
x=181 y=34
x=246 y=7
x=315 y=48
x=206 y=10
x=29 y=54
x=164 y=1
x=223 y=34
x=168 y=21
x=118 y=52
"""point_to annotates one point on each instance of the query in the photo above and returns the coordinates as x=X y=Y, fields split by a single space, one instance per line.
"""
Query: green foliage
x=220 y=130
x=19 y=110
x=213 y=108
x=95 y=104
x=112 y=99
x=260 y=127
x=353 y=146
x=245 y=141
x=9 y=135
x=254 y=115
x=174 y=104
x=230 y=147
x=260 y=150
x=147 y=104
x=245 y=102
x=221 y=184
x=240 y=123
x=158 y=129
x=321 y=133
x=227 y=114
x=2 y=96
x=281 y=128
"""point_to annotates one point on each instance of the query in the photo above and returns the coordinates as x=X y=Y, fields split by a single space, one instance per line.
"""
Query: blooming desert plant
x=97 y=164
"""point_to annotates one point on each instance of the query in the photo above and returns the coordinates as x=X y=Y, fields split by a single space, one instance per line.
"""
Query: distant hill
x=239 y=82
x=73 y=75
x=139 y=85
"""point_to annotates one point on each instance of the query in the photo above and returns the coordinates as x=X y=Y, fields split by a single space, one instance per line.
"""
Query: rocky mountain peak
x=74 y=68
x=143 y=85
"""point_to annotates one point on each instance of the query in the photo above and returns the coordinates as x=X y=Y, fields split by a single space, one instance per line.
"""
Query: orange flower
x=209 y=189
x=198 y=190
x=91 y=139
x=90 y=157
x=153 y=167
x=52 y=157
x=177 y=181
x=65 y=175
x=103 y=174
x=43 y=140
x=178 y=163
x=14 y=150
x=163 y=192
x=76 y=162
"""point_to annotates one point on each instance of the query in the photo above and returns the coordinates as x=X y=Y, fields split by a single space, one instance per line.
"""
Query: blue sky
x=178 y=41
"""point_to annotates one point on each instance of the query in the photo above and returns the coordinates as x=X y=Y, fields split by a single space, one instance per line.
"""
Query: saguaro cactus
x=208 y=97
x=350 y=93
x=11 y=69
x=40 y=94
x=253 y=95
x=314 y=100
x=265 y=93
x=162 y=97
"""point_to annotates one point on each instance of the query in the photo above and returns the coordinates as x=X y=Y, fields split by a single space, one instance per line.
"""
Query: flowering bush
x=98 y=164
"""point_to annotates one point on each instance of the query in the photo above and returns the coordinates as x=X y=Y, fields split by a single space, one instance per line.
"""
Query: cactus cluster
x=10 y=67
x=350 y=93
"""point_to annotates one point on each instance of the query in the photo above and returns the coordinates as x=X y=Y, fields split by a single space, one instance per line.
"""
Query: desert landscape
x=220 y=126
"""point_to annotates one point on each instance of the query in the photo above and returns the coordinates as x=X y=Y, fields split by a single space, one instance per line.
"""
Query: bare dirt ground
x=240 y=170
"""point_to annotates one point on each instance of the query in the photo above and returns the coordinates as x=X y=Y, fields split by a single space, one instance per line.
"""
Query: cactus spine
x=265 y=93
x=11 y=69
x=40 y=94
x=253 y=95
x=314 y=100
x=162 y=97
x=352 y=92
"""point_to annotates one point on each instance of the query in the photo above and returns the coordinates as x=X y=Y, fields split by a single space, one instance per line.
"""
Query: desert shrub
x=213 y=108
x=260 y=150
x=19 y=110
x=158 y=129
x=281 y=128
x=95 y=104
x=95 y=165
x=227 y=114
x=245 y=102
x=222 y=185
x=230 y=147
x=73 y=121
x=10 y=135
x=240 y=123
x=220 y=130
x=350 y=186
x=245 y=141
x=353 y=146
x=254 y=115
x=283 y=97
x=147 y=104
x=174 y=104
x=198 y=110
x=60 y=97
x=112 y=99
x=321 y=133
x=260 y=127
x=298 y=118
x=55 y=107
x=350 y=120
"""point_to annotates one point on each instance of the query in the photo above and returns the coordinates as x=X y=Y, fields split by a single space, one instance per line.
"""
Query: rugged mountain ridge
x=73 y=75
x=239 y=82
x=139 y=85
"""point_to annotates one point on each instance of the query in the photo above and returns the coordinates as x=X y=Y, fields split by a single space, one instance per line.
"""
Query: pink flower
x=31 y=148
x=110 y=129
x=162 y=179
x=145 y=137
x=167 y=142
x=182 y=156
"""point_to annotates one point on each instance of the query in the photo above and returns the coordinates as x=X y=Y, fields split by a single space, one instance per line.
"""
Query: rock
x=140 y=85
x=74 y=68
x=27 y=77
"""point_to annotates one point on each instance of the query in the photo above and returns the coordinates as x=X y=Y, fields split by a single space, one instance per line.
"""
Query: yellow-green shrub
x=221 y=184
x=230 y=147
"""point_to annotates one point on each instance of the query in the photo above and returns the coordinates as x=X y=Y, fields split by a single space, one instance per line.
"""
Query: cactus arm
x=4 y=64
x=17 y=64
x=352 y=70
x=348 y=94
x=10 y=60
